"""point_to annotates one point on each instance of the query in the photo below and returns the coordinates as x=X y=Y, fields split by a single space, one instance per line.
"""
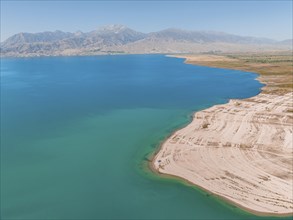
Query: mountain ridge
x=122 y=39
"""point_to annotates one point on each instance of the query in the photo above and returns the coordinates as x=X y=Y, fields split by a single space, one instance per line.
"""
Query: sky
x=259 y=18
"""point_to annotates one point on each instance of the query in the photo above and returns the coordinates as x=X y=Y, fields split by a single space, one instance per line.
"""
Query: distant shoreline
x=167 y=161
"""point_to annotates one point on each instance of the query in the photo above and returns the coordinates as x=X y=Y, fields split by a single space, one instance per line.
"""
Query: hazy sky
x=271 y=19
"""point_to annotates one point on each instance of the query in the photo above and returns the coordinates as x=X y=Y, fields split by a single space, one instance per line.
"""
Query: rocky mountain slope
x=121 y=39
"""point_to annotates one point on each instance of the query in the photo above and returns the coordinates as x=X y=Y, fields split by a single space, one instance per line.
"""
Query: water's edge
x=224 y=201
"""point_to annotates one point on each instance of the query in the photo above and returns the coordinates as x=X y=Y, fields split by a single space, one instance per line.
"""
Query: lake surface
x=76 y=133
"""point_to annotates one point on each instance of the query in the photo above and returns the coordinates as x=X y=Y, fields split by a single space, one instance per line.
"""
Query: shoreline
x=223 y=199
x=155 y=155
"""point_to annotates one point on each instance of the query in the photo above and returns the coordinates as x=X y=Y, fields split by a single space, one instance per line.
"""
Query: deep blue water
x=75 y=132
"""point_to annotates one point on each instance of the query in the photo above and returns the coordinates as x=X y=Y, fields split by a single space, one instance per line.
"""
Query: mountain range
x=121 y=39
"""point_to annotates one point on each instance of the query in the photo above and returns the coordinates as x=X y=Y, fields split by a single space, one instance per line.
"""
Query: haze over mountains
x=121 y=39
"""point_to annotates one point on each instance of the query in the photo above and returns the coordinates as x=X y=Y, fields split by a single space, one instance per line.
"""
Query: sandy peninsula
x=241 y=151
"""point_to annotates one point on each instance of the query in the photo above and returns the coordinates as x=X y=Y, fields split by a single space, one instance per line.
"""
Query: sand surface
x=241 y=151
x=203 y=58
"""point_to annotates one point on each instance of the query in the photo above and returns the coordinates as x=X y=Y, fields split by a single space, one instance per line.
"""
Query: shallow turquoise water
x=76 y=132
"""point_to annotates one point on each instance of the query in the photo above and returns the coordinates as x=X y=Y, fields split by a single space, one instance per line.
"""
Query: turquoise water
x=76 y=133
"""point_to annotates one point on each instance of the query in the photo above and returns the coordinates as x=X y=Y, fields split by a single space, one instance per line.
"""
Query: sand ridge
x=241 y=151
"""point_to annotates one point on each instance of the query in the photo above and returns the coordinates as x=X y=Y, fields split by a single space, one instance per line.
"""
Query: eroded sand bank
x=241 y=151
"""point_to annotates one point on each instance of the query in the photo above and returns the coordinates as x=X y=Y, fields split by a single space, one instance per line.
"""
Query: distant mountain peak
x=112 y=28
x=78 y=33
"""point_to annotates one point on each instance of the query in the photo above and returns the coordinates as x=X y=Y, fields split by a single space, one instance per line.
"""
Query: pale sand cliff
x=241 y=151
